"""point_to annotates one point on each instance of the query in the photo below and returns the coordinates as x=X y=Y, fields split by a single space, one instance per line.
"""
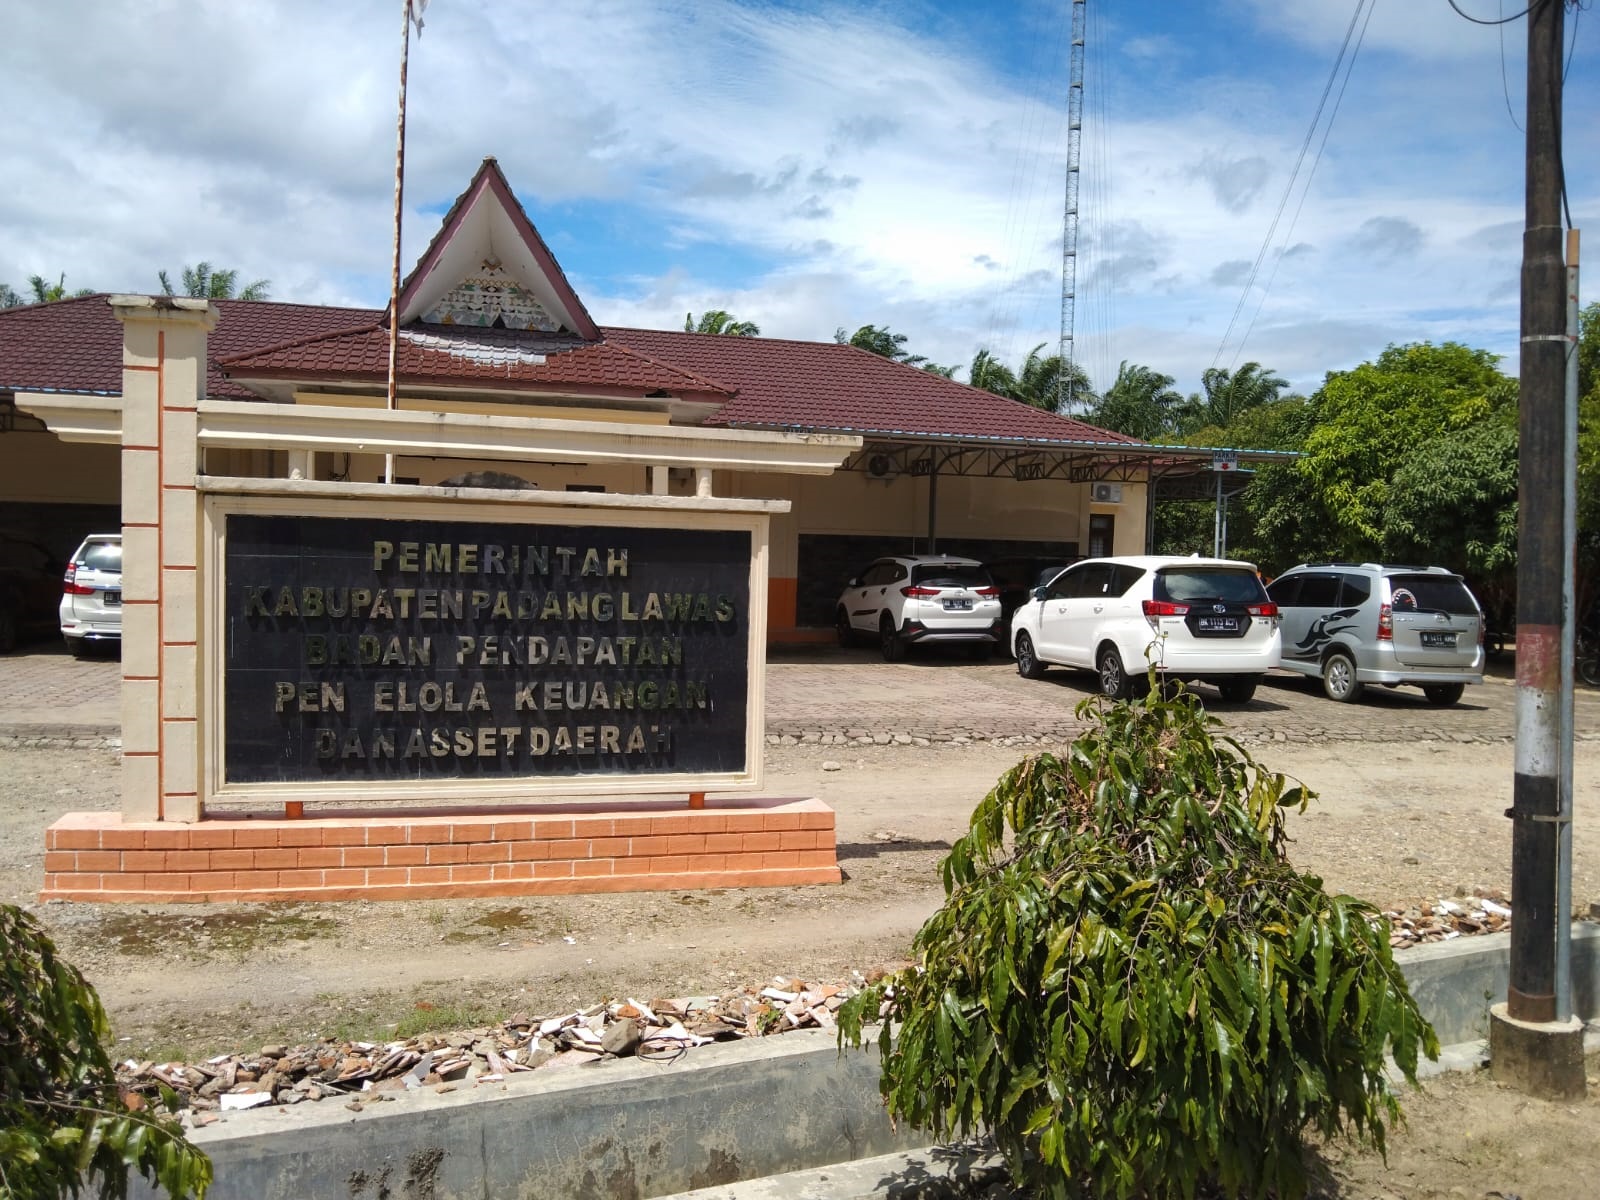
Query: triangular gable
x=488 y=266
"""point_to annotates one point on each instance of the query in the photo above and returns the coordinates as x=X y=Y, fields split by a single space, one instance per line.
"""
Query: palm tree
x=1228 y=396
x=880 y=342
x=202 y=282
x=1044 y=383
x=10 y=297
x=1141 y=403
x=991 y=375
x=720 y=320
x=49 y=293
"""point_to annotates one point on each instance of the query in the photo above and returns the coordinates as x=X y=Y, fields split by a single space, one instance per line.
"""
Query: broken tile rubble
x=1486 y=910
x=362 y=1072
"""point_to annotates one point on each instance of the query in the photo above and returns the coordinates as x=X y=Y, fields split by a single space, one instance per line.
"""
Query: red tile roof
x=76 y=346
x=461 y=354
x=825 y=385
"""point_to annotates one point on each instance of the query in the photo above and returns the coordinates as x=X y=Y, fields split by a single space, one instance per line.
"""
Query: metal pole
x=1536 y=802
x=933 y=506
x=1569 y=604
x=399 y=195
x=1216 y=520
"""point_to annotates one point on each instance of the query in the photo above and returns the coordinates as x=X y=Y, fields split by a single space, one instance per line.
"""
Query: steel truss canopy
x=1175 y=471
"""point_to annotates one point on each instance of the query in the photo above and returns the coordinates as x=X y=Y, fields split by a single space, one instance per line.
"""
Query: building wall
x=848 y=515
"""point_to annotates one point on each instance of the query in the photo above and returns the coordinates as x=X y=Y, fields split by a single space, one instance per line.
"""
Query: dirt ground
x=1394 y=823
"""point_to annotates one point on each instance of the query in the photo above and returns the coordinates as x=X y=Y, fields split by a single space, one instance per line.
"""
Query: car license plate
x=111 y=599
x=1438 y=639
x=958 y=604
x=1218 y=625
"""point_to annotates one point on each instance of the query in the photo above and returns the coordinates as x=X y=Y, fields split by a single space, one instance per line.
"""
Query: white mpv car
x=921 y=598
x=1194 y=618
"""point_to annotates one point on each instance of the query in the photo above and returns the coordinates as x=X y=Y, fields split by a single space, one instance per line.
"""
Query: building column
x=163 y=378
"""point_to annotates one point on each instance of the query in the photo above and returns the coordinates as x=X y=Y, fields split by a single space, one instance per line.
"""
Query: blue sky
x=815 y=165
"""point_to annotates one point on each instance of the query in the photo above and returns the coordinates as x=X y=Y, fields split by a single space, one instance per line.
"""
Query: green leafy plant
x=65 y=1130
x=1131 y=989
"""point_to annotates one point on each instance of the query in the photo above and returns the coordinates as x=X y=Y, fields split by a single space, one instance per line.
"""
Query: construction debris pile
x=366 y=1072
x=1485 y=911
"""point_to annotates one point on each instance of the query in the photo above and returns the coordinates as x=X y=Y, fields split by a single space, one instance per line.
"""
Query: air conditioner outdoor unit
x=1106 y=493
x=880 y=466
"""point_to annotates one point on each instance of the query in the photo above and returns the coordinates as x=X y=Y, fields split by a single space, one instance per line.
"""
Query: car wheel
x=1339 y=680
x=8 y=629
x=843 y=630
x=1237 y=689
x=889 y=641
x=1028 y=664
x=1444 y=694
x=78 y=647
x=1113 y=678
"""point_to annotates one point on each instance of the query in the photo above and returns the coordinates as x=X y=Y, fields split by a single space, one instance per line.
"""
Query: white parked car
x=921 y=598
x=91 y=593
x=1195 y=618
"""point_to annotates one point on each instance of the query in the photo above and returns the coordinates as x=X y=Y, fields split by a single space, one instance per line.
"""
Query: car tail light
x=1263 y=610
x=990 y=592
x=1385 y=623
x=69 y=584
x=1165 y=608
x=917 y=592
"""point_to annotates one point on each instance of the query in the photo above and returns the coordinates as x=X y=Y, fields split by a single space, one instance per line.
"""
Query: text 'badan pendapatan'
x=379 y=649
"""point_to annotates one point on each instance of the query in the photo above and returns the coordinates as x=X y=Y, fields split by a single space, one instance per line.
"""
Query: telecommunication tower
x=1069 y=220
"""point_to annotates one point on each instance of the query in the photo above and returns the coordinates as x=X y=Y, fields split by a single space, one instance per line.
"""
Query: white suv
x=1194 y=618
x=921 y=598
x=91 y=594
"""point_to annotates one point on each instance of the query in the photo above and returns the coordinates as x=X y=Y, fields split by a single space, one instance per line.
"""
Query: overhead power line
x=1288 y=190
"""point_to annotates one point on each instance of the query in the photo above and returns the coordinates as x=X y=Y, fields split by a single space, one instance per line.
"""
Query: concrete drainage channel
x=784 y=1116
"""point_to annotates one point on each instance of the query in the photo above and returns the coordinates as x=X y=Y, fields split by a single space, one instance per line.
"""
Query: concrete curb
x=753 y=1119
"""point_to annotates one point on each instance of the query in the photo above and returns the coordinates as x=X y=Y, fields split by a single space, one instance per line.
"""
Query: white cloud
x=889 y=174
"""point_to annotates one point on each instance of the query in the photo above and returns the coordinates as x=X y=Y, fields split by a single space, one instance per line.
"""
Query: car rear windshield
x=103 y=556
x=968 y=575
x=1431 y=593
x=1184 y=584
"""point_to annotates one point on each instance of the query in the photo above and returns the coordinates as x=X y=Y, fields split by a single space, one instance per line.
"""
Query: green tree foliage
x=1362 y=428
x=1040 y=382
x=205 y=282
x=64 y=1129
x=881 y=342
x=720 y=321
x=1130 y=987
x=1454 y=500
x=1588 y=589
x=991 y=375
x=1229 y=396
x=10 y=297
x=45 y=292
x=1141 y=403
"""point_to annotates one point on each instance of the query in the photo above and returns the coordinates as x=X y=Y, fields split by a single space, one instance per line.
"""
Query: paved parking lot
x=832 y=696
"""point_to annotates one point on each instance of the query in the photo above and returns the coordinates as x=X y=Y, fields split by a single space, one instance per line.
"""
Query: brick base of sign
x=413 y=856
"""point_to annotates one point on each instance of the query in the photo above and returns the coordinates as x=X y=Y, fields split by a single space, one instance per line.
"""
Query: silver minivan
x=91 y=594
x=1351 y=624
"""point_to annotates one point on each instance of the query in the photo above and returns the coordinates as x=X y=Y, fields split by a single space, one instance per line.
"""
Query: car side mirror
x=1038 y=592
x=854 y=581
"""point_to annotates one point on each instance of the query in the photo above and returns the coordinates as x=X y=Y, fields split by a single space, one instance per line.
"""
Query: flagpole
x=399 y=194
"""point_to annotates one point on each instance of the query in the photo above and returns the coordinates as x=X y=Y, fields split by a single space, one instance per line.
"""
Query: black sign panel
x=398 y=650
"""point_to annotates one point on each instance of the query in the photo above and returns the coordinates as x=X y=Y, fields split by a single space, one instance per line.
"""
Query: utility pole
x=1529 y=1047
